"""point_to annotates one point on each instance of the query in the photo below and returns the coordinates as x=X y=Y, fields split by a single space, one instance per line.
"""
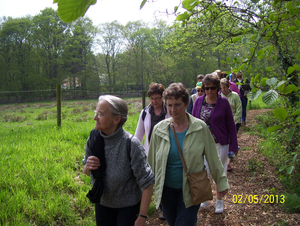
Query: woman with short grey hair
x=117 y=164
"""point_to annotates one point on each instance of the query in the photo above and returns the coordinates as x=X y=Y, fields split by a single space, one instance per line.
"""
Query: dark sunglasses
x=210 y=88
x=200 y=90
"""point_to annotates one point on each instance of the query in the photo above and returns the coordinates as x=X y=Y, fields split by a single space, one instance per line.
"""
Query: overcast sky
x=103 y=11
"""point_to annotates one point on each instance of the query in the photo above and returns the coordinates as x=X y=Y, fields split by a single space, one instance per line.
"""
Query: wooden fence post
x=144 y=99
x=58 y=102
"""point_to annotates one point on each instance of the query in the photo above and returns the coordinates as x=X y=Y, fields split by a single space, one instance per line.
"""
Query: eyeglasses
x=200 y=90
x=210 y=88
x=156 y=98
x=99 y=115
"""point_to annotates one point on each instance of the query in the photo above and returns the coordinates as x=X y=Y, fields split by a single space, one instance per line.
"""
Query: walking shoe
x=204 y=204
x=219 y=206
x=161 y=216
x=229 y=168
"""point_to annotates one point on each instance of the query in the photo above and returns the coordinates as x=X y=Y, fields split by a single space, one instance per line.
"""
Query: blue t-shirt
x=174 y=169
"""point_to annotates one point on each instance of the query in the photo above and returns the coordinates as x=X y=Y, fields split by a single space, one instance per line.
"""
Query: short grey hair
x=118 y=107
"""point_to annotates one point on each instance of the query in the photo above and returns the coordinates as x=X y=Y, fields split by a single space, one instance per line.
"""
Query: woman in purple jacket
x=216 y=112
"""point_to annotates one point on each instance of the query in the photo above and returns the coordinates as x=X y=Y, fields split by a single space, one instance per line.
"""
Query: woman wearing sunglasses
x=199 y=92
x=216 y=112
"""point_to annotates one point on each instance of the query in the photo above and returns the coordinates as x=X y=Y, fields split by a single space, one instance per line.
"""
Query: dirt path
x=251 y=175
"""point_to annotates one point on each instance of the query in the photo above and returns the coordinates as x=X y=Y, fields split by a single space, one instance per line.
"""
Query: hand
x=140 y=221
x=93 y=163
x=222 y=193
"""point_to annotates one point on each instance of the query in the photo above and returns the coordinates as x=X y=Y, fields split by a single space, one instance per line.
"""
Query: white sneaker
x=219 y=206
x=204 y=204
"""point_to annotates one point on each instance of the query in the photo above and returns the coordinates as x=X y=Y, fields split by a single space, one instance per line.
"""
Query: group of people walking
x=202 y=126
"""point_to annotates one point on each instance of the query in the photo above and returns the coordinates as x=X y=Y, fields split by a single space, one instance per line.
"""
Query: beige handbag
x=199 y=182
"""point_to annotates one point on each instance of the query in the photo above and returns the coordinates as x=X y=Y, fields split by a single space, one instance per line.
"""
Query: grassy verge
x=41 y=171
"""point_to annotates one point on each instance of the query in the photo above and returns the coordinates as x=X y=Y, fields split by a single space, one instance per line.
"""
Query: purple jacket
x=234 y=87
x=221 y=121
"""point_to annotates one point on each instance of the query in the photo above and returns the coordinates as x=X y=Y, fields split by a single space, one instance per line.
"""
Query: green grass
x=41 y=170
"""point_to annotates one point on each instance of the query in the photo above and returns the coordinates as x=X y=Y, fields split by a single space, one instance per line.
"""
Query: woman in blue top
x=171 y=184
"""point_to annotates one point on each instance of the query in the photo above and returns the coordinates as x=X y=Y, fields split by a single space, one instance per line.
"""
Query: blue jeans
x=174 y=209
x=244 y=107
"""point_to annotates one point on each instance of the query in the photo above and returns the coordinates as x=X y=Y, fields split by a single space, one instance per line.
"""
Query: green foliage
x=292 y=203
x=280 y=151
x=70 y=10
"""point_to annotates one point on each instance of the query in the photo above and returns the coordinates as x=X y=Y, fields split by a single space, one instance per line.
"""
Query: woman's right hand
x=92 y=163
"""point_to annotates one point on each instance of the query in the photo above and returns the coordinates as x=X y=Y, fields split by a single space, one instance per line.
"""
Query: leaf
x=260 y=52
x=70 y=10
x=273 y=128
x=261 y=57
x=297 y=22
x=266 y=27
x=281 y=113
x=270 y=97
x=282 y=168
x=290 y=134
x=298 y=56
x=256 y=94
x=143 y=3
x=297 y=67
x=290 y=88
x=292 y=28
x=290 y=70
x=263 y=82
x=183 y=16
x=290 y=169
x=245 y=40
x=280 y=85
x=294 y=158
x=272 y=81
x=255 y=1
x=189 y=4
x=223 y=62
x=228 y=59
x=236 y=39
x=256 y=79
x=252 y=50
x=175 y=9
x=296 y=113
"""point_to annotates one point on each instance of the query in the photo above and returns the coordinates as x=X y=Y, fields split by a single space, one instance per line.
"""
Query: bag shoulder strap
x=128 y=146
x=144 y=114
x=178 y=147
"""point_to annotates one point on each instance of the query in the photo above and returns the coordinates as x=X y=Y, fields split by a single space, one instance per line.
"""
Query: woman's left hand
x=140 y=221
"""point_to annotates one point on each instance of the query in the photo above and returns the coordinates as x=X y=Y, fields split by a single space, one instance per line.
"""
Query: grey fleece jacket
x=125 y=178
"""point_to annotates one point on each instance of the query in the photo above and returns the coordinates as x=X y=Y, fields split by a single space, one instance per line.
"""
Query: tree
x=111 y=43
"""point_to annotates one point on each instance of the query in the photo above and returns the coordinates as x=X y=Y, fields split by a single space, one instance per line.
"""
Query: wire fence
x=12 y=97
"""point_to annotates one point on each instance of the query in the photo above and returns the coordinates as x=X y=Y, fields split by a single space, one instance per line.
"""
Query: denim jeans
x=126 y=216
x=174 y=209
x=244 y=107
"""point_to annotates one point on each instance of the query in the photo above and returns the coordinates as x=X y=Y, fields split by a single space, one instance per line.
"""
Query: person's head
x=199 y=89
x=218 y=72
x=111 y=113
x=200 y=77
x=155 y=92
x=223 y=75
x=239 y=75
x=177 y=99
x=224 y=85
x=211 y=80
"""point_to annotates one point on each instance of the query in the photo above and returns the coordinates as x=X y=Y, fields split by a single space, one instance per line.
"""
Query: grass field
x=41 y=171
